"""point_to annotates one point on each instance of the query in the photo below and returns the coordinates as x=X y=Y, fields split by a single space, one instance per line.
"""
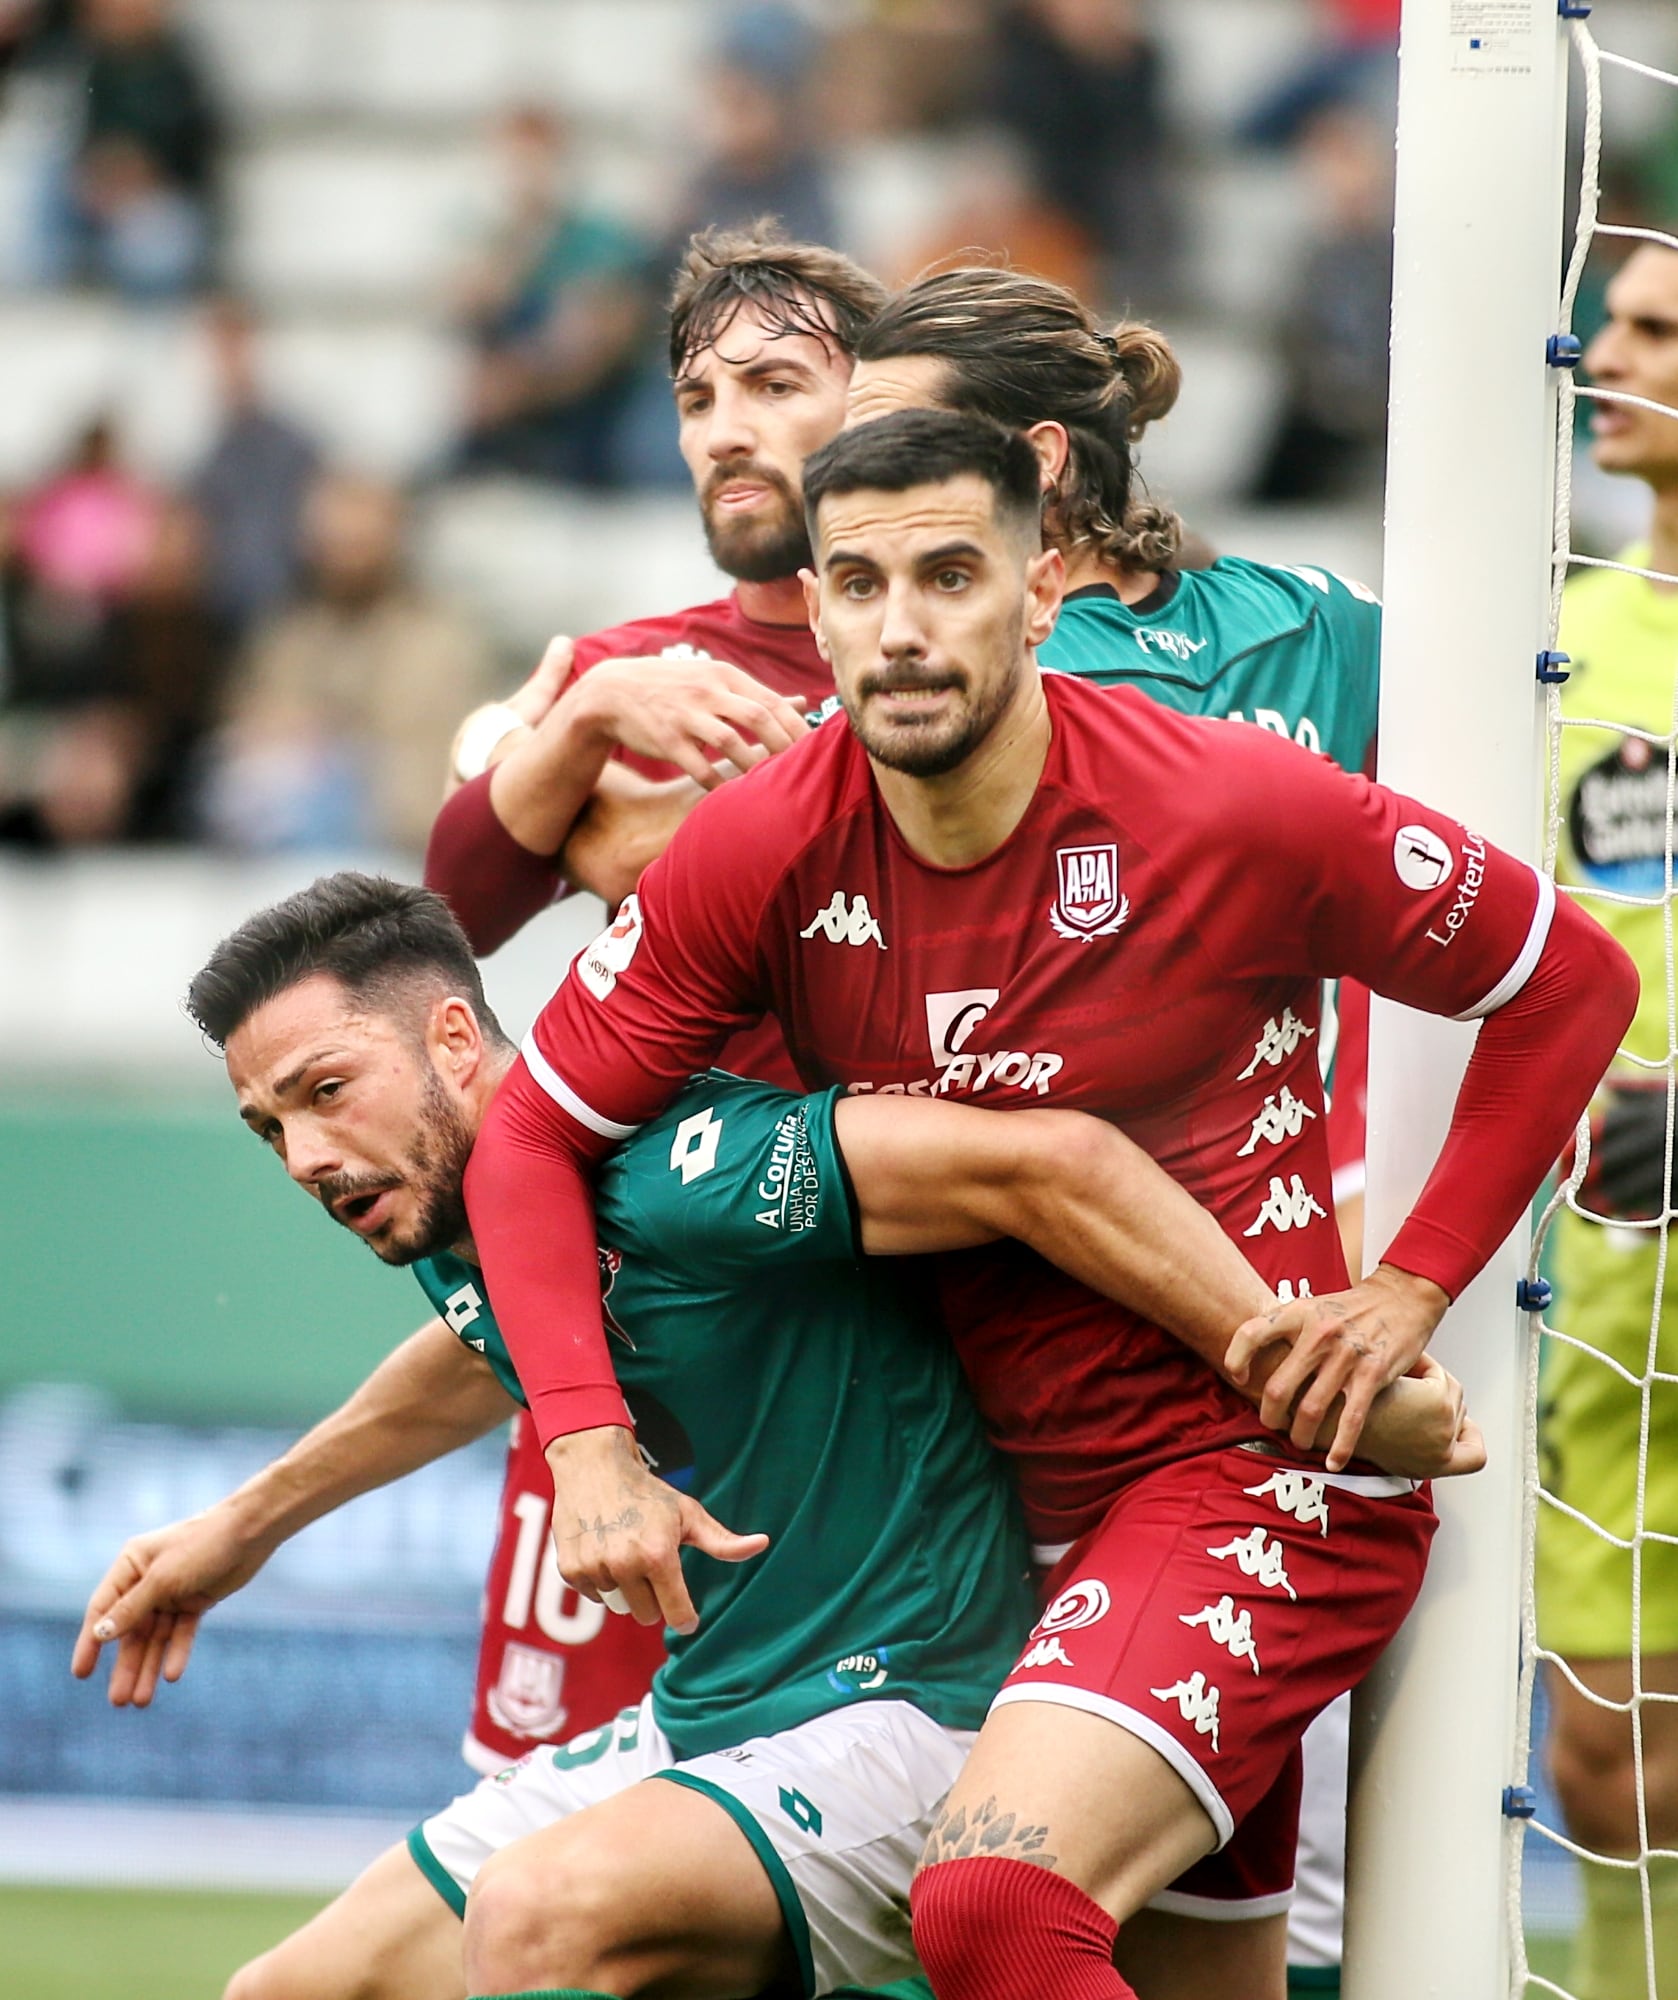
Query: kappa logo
x=1422 y=860
x=1043 y=1653
x=1231 y=1629
x=1089 y=904
x=1196 y=1703
x=1287 y=1206
x=1300 y=1494
x=845 y=920
x=1277 y=1041
x=1258 y=1556
x=597 y=965
x=1282 y=1118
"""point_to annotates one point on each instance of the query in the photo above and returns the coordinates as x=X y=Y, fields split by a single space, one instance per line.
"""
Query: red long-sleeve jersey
x=1146 y=945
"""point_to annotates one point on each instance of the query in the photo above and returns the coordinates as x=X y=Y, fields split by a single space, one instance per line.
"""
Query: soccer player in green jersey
x=1621 y=631
x=802 y=1734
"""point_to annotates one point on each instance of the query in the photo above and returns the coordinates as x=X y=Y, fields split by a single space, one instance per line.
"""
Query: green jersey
x=1296 y=651
x=795 y=1388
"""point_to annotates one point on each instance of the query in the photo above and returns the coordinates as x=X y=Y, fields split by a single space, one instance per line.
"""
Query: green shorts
x=1590 y=1421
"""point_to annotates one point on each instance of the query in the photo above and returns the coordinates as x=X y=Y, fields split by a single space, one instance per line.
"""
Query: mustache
x=347 y=1187
x=908 y=680
x=747 y=468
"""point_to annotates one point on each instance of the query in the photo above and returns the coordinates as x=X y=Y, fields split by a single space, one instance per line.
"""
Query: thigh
x=543 y=1788
x=1596 y=1743
x=387 y=1937
x=837 y=1812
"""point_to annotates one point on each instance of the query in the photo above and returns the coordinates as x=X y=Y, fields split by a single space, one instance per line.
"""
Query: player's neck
x=1084 y=568
x=959 y=818
x=1663 y=533
x=778 y=603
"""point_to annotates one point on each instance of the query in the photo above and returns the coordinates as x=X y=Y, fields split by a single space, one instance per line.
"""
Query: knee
x=270 y=1977
x=539 y=1921
x=992 y=1929
x=1592 y=1768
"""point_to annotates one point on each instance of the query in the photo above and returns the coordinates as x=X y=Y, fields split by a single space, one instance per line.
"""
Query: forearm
x=628 y=823
x=493 y=885
x=542 y=784
x=426 y=1399
x=1535 y=1065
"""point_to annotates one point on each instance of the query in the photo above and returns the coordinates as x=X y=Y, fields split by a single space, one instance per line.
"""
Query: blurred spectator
x=252 y=486
x=79 y=542
x=553 y=301
x=1080 y=83
x=1331 y=428
x=754 y=120
x=996 y=216
x=341 y=716
x=133 y=206
x=1354 y=60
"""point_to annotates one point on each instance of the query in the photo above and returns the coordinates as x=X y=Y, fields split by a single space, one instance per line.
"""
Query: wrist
x=480 y=737
x=603 y=1442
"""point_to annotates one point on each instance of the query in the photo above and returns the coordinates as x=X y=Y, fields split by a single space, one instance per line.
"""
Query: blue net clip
x=1573 y=10
x=1519 y=1802
x=1553 y=668
x=1533 y=1295
x=1564 y=350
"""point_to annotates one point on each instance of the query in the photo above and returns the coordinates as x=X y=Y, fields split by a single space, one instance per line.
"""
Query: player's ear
x=813 y=609
x=1045 y=586
x=1052 y=446
x=455 y=1038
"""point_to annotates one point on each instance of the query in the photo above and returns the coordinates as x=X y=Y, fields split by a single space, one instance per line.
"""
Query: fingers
x=541 y=691
x=703 y=1531
x=1468 y=1454
x=1361 y=1390
x=1253 y=1335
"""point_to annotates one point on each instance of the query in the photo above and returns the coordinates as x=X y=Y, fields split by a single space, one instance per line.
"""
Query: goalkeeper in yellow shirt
x=1621 y=631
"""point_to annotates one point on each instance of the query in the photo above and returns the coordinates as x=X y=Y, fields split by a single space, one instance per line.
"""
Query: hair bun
x=1151 y=372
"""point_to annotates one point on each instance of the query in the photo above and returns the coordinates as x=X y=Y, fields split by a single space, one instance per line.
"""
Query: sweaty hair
x=388 y=945
x=1021 y=351
x=798 y=287
x=925 y=448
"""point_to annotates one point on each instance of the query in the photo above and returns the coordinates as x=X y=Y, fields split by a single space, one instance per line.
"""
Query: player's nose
x=902 y=629
x=730 y=432
x=311 y=1157
x=1604 y=357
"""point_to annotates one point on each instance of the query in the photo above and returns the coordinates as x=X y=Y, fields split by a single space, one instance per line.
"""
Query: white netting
x=1559 y=1330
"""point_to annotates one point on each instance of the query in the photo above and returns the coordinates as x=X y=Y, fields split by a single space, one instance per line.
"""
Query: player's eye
x=952 y=579
x=857 y=588
x=325 y=1092
x=693 y=406
x=778 y=386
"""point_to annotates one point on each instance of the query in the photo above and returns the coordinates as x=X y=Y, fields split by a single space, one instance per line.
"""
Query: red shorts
x=551 y=1663
x=1221 y=1603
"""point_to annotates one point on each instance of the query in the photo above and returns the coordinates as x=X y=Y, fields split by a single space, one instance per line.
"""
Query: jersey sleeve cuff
x=1538 y=931
x=560 y=1412
x=1427 y=1249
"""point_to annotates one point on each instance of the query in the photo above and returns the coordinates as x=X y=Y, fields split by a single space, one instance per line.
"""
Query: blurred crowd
x=248 y=655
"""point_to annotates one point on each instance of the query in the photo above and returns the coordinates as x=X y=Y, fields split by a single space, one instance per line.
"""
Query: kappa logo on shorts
x=845 y=921
x=1300 y=1494
x=1277 y=1041
x=1043 y=1653
x=1282 y=1118
x=1258 y=1557
x=1233 y=1630
x=1196 y=1702
x=1089 y=904
x=1285 y=1207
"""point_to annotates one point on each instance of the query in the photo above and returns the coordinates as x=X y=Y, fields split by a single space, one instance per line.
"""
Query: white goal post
x=1477 y=269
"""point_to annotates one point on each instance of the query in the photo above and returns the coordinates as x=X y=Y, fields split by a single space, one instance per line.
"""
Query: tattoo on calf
x=984 y=1833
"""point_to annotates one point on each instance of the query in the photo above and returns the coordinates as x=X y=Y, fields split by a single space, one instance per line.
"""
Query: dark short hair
x=799 y=287
x=925 y=448
x=379 y=939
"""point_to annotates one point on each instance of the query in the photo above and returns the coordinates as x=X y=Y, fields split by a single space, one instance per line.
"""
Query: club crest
x=1089 y=904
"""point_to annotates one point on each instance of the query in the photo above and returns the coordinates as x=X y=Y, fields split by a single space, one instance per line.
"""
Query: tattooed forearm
x=984 y=1831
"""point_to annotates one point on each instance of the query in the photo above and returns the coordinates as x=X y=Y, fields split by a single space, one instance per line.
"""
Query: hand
x=543 y=689
x=689 y=713
x=153 y=1596
x=1628 y=1153
x=1352 y=1343
x=619 y=1530
x=1420 y=1427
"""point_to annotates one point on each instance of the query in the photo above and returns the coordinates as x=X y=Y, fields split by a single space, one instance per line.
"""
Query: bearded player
x=988 y=883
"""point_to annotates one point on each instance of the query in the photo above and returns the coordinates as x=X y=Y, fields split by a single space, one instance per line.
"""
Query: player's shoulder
x=683 y=634
x=771 y=813
x=1290 y=593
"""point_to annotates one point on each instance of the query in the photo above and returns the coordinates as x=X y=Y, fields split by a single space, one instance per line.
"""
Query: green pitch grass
x=135 y=1944
x=146 y=1944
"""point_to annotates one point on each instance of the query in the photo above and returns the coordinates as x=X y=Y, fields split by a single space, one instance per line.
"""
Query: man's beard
x=435 y=1177
x=757 y=551
x=934 y=750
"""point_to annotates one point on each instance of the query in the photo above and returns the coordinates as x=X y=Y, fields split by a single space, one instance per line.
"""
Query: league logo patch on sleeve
x=1421 y=858
x=598 y=964
x=1089 y=904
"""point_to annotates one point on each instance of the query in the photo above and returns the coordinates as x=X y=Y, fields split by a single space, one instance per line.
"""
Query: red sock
x=988 y=1929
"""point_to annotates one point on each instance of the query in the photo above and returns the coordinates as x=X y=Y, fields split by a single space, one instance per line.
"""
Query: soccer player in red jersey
x=1016 y=888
